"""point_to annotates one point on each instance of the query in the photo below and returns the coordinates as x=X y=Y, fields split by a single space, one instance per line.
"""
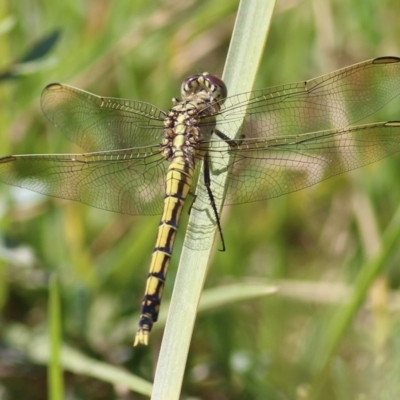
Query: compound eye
x=218 y=85
x=189 y=85
x=204 y=82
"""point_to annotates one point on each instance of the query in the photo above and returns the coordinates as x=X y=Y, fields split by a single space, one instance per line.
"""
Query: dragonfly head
x=207 y=83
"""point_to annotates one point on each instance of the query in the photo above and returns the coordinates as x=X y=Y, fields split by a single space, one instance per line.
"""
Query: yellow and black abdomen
x=178 y=182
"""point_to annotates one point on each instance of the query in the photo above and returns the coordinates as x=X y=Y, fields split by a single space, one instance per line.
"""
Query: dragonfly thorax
x=182 y=134
x=202 y=97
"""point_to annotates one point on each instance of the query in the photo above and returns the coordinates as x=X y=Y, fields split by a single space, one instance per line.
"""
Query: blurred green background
x=311 y=244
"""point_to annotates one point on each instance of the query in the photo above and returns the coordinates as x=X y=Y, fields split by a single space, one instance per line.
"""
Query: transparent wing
x=101 y=123
x=334 y=100
x=127 y=181
x=296 y=135
x=265 y=168
x=293 y=136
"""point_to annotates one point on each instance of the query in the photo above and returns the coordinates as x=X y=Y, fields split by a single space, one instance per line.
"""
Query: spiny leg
x=207 y=184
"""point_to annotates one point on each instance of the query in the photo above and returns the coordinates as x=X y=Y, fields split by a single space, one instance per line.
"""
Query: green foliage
x=313 y=245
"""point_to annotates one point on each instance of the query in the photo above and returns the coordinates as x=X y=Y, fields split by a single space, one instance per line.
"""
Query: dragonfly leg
x=227 y=139
x=207 y=183
x=193 y=201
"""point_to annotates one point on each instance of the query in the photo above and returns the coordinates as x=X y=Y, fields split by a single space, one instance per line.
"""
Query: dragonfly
x=141 y=160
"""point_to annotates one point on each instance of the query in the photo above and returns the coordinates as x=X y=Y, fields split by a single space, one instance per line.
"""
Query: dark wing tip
x=386 y=60
x=53 y=86
x=7 y=159
x=389 y=123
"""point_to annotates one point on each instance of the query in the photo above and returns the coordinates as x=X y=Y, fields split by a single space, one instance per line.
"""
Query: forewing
x=126 y=181
x=335 y=100
x=101 y=123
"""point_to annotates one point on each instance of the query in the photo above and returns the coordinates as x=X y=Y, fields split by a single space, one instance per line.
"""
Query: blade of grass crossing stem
x=55 y=373
x=36 y=347
x=245 y=52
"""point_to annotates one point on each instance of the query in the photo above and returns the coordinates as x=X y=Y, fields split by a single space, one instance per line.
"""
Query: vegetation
x=314 y=245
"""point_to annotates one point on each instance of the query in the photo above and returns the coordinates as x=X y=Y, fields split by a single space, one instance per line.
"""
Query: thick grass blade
x=244 y=56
